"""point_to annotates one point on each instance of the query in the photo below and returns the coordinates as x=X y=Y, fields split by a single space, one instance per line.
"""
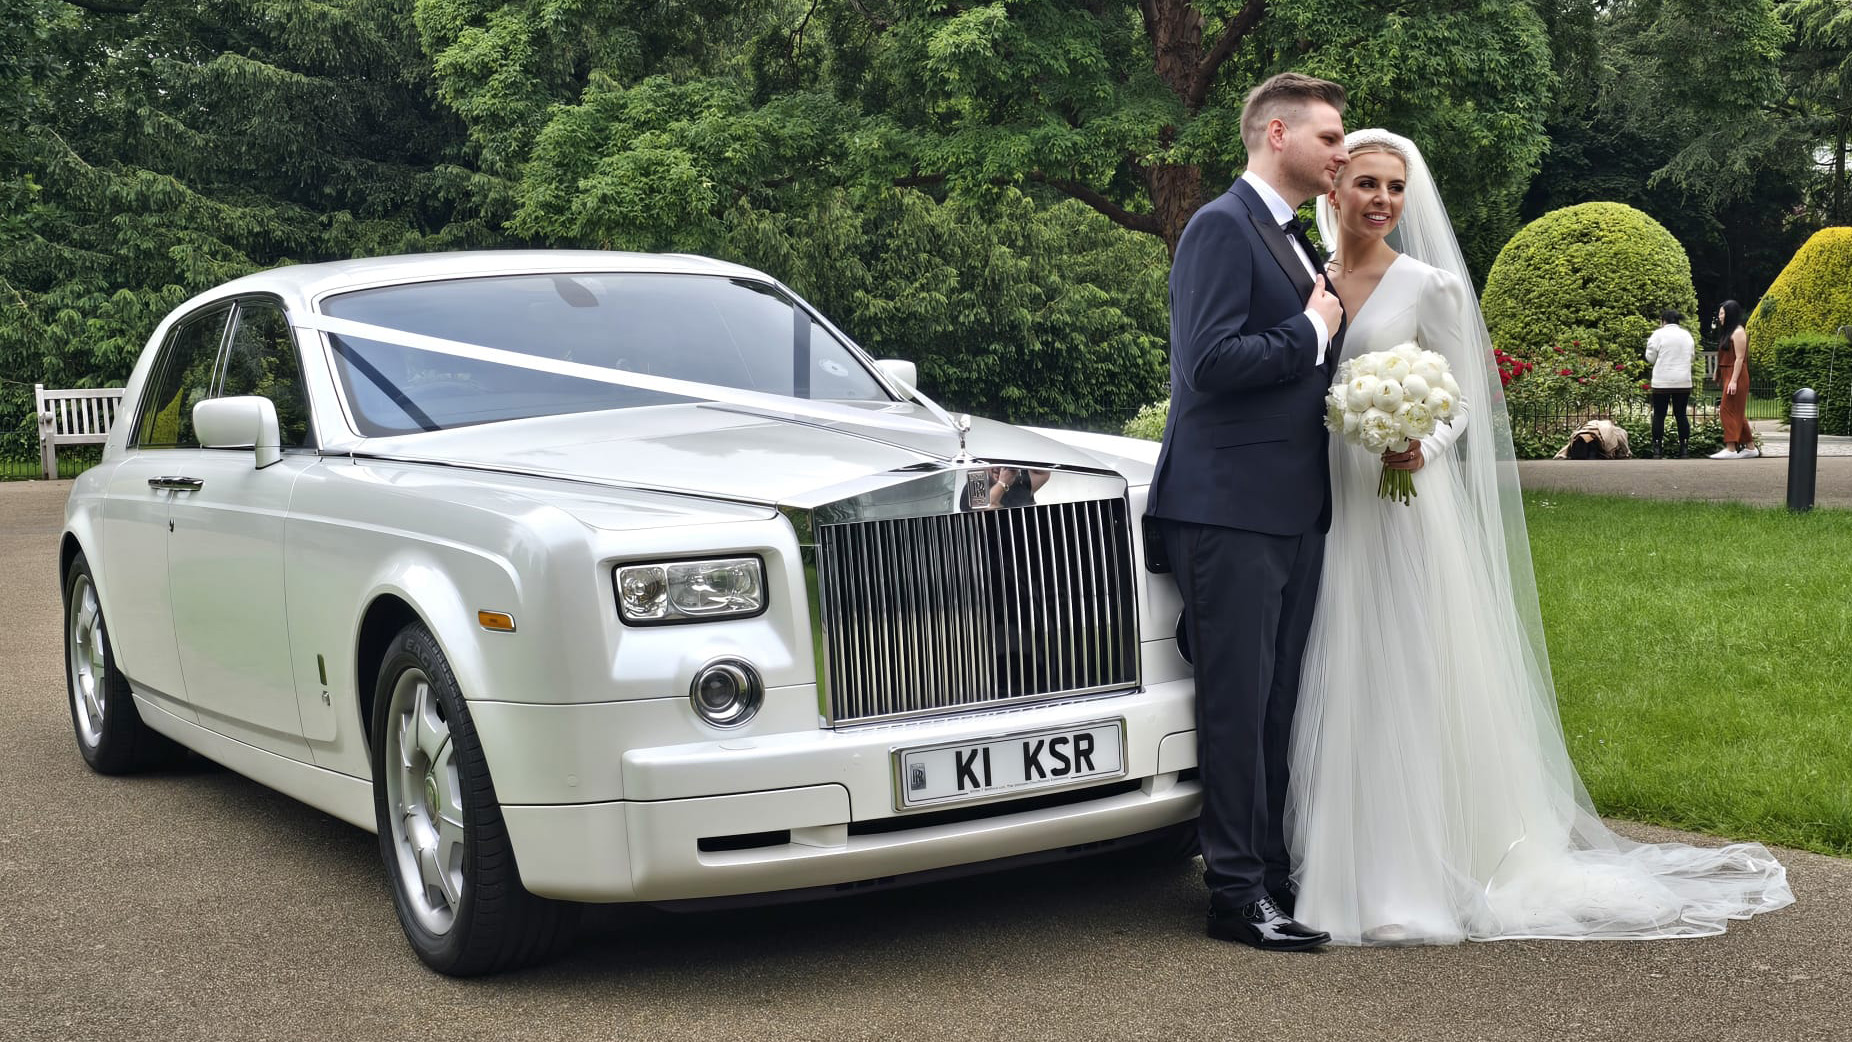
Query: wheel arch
x=424 y=592
x=68 y=549
x=385 y=616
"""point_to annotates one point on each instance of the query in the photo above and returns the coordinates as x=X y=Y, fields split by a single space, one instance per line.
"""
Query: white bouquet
x=1385 y=398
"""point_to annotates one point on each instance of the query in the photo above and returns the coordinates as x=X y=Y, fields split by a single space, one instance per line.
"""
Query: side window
x=182 y=377
x=262 y=360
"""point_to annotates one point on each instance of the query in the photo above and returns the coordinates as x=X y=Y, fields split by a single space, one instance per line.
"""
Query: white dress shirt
x=1276 y=205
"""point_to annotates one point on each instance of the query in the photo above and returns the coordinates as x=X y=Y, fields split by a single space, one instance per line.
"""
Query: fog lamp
x=726 y=692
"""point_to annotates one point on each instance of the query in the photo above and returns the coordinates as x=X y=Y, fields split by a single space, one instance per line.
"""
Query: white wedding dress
x=1432 y=796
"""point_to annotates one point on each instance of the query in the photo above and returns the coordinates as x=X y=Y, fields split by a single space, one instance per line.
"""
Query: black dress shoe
x=1262 y=925
x=1286 y=899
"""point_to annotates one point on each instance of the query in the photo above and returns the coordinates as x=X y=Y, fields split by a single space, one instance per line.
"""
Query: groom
x=1241 y=495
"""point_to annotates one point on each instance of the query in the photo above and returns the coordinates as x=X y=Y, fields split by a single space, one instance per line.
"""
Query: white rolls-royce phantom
x=599 y=577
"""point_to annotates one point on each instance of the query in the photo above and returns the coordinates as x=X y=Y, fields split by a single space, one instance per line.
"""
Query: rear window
x=731 y=332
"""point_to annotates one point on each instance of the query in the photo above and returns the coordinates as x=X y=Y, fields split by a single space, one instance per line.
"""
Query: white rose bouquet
x=1383 y=399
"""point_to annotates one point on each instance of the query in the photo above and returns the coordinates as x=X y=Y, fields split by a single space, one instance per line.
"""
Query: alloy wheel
x=89 y=661
x=425 y=799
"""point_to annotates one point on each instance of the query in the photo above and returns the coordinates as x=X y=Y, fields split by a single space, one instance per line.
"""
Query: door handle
x=177 y=483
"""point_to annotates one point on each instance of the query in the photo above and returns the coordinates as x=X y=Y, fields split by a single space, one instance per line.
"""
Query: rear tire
x=455 y=885
x=109 y=729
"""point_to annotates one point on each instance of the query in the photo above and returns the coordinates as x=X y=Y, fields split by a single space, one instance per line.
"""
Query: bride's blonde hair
x=1366 y=147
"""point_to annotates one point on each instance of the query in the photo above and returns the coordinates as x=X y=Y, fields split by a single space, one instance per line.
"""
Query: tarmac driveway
x=198 y=905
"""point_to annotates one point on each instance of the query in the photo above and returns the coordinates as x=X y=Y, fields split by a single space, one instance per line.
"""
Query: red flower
x=1620 y=367
x=1644 y=386
x=1575 y=343
x=1558 y=349
x=1568 y=372
x=1582 y=379
x=1504 y=379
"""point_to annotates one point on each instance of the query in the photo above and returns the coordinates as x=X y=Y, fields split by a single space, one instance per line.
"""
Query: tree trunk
x=1189 y=69
x=1176 y=195
x=1839 y=174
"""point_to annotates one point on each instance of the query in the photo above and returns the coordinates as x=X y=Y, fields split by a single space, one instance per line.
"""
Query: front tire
x=110 y=732
x=455 y=885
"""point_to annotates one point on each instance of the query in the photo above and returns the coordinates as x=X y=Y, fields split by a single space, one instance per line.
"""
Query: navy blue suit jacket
x=1245 y=443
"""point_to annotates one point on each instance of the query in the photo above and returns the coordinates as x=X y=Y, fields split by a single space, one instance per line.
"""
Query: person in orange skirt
x=1733 y=374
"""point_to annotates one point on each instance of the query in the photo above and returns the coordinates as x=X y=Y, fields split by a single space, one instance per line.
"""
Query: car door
x=161 y=449
x=225 y=552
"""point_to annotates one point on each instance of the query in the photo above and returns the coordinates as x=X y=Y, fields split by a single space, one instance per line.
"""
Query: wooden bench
x=73 y=418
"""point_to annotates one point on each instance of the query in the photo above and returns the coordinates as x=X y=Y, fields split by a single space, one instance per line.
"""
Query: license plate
x=1017 y=763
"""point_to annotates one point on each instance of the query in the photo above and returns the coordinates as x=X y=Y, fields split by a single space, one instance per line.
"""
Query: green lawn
x=1703 y=661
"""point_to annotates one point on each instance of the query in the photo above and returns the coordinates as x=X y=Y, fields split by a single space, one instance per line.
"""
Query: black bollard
x=1803 y=448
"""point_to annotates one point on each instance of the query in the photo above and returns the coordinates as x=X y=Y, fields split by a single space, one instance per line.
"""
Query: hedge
x=1813 y=294
x=1823 y=363
x=1592 y=278
x=1535 y=434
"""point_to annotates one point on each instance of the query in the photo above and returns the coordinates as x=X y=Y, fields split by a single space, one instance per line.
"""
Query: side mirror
x=243 y=422
x=900 y=369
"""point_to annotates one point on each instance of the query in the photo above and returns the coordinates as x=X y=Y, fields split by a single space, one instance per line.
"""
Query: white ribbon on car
x=757 y=401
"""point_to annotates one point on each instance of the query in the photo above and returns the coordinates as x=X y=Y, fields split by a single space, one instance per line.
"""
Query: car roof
x=301 y=284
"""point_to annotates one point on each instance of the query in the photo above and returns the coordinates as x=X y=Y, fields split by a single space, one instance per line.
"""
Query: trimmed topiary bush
x=1590 y=279
x=1813 y=294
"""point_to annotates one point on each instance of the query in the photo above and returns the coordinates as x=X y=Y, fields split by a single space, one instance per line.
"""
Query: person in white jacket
x=1669 y=349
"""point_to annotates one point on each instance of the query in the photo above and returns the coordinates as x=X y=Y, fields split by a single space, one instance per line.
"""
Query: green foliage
x=1587 y=280
x=1149 y=423
x=502 y=65
x=1470 y=83
x=1680 y=109
x=1700 y=73
x=1813 y=294
x=1015 y=310
x=1706 y=431
x=1819 y=74
x=161 y=152
x=659 y=165
x=1137 y=113
x=1823 y=363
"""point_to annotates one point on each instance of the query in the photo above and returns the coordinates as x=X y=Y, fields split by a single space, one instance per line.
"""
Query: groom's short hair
x=1282 y=96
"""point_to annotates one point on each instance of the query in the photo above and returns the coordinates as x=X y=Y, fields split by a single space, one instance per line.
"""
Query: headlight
x=689 y=591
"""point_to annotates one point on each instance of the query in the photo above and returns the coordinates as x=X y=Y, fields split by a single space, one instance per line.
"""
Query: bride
x=1432 y=796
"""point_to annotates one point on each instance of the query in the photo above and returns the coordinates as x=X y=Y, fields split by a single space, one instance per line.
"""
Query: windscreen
x=707 y=329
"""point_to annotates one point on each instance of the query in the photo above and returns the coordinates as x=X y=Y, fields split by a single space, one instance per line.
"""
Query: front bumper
x=821 y=808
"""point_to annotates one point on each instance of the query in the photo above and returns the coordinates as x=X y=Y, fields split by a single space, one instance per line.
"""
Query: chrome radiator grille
x=936 y=614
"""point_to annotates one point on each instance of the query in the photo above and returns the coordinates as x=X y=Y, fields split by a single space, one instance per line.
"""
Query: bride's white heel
x=1391 y=935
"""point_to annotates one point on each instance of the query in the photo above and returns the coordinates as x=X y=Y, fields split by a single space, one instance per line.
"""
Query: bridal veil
x=1433 y=798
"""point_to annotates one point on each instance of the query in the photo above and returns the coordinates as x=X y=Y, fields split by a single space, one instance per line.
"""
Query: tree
x=1133 y=108
x=165 y=147
x=1129 y=108
x=1676 y=107
x=1819 y=74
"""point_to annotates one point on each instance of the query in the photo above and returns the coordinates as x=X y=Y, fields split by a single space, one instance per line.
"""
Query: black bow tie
x=1296 y=229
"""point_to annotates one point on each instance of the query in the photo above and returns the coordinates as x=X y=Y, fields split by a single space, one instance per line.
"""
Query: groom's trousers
x=1248 y=600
